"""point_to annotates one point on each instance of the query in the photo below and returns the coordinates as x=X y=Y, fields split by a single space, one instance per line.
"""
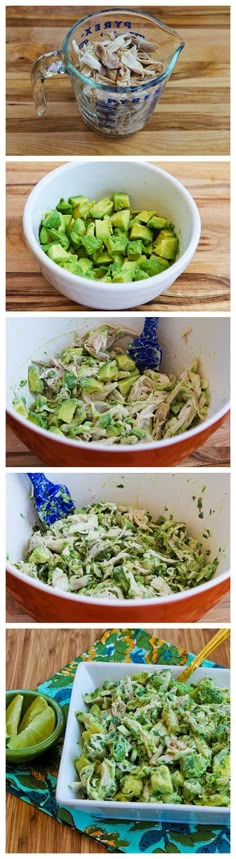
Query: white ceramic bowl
x=208 y=340
x=177 y=492
x=150 y=188
x=88 y=676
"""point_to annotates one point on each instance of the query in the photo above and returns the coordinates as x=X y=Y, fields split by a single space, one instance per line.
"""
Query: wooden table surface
x=32 y=656
x=192 y=116
x=203 y=286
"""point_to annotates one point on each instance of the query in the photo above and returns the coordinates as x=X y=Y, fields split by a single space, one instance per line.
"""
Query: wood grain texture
x=203 y=286
x=191 y=118
x=32 y=656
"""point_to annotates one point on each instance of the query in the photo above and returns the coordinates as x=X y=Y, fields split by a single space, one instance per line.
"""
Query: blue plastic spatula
x=145 y=349
x=52 y=500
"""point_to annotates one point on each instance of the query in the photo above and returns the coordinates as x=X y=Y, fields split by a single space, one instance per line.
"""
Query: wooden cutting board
x=33 y=655
x=203 y=286
x=191 y=118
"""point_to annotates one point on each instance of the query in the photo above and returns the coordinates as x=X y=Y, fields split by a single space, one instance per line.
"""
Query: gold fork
x=214 y=642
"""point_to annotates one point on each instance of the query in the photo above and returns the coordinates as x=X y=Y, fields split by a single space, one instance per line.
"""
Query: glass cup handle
x=45 y=67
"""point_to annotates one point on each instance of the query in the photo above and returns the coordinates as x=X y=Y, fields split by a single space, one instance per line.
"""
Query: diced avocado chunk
x=36 y=385
x=60 y=238
x=152 y=266
x=125 y=385
x=121 y=201
x=126 y=273
x=91 y=244
x=163 y=262
x=20 y=407
x=121 y=219
x=125 y=363
x=103 y=258
x=44 y=236
x=85 y=263
x=79 y=227
x=82 y=209
x=108 y=371
x=103 y=207
x=56 y=252
x=138 y=231
x=157 y=223
x=90 y=384
x=53 y=219
x=134 y=249
x=140 y=274
x=40 y=555
x=67 y=410
x=144 y=216
x=90 y=229
x=64 y=207
x=161 y=780
x=75 y=201
x=116 y=244
x=103 y=229
x=166 y=244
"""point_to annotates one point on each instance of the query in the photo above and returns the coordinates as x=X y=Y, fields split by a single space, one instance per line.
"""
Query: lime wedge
x=13 y=714
x=38 y=705
x=38 y=730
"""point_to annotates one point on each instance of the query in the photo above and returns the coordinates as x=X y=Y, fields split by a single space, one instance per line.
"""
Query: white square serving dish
x=88 y=676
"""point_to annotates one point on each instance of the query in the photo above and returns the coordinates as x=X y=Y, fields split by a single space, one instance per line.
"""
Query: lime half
x=38 y=730
x=13 y=714
x=38 y=705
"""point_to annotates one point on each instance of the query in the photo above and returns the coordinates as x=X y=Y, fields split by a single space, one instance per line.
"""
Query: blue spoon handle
x=150 y=327
x=41 y=485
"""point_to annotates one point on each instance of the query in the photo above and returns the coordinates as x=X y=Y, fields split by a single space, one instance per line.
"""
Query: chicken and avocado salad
x=106 y=551
x=107 y=240
x=93 y=392
x=151 y=738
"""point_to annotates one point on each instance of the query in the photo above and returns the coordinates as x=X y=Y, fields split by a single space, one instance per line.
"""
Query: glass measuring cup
x=109 y=109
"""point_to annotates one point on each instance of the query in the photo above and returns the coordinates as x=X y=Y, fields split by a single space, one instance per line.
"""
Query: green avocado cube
x=52 y=219
x=121 y=219
x=121 y=201
x=98 y=273
x=90 y=229
x=103 y=229
x=90 y=384
x=108 y=371
x=157 y=223
x=36 y=385
x=44 y=236
x=64 y=207
x=67 y=410
x=152 y=266
x=125 y=363
x=161 y=780
x=75 y=201
x=125 y=385
x=91 y=244
x=166 y=244
x=82 y=210
x=138 y=231
x=144 y=216
x=140 y=274
x=79 y=227
x=103 y=207
x=74 y=268
x=59 y=238
x=116 y=244
x=57 y=252
x=164 y=262
x=103 y=258
x=40 y=555
x=134 y=249
x=20 y=407
x=85 y=264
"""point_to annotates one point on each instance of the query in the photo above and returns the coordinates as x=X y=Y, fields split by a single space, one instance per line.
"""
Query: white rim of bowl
x=158 y=601
x=137 y=285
